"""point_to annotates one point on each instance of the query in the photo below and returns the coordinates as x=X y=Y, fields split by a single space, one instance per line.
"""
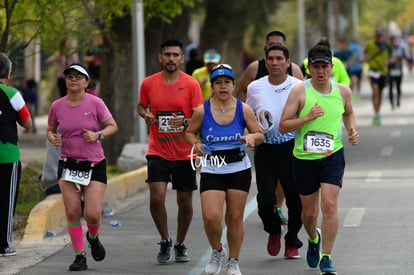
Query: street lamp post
x=301 y=32
x=139 y=65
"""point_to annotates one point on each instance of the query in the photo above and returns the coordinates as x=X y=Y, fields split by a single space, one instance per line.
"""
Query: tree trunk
x=116 y=72
x=157 y=31
x=116 y=84
x=224 y=34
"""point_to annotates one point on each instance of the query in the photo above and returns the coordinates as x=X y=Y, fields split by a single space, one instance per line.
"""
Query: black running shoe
x=181 y=253
x=79 y=263
x=165 y=256
x=314 y=251
x=98 y=251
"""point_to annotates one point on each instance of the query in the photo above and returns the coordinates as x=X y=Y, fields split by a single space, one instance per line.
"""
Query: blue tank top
x=218 y=137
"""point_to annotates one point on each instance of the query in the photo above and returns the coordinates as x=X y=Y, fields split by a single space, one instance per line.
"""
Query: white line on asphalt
x=387 y=151
x=396 y=133
x=199 y=266
x=403 y=121
x=354 y=217
x=374 y=176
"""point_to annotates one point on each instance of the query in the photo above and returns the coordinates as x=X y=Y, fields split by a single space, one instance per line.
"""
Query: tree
x=53 y=21
x=225 y=26
x=116 y=69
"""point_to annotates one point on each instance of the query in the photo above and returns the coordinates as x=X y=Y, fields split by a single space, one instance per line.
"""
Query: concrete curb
x=49 y=214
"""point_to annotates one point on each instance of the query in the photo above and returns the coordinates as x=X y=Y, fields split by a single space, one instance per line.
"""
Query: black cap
x=319 y=57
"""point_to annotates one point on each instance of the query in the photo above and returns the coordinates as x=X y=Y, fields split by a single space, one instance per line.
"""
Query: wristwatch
x=100 y=135
x=186 y=122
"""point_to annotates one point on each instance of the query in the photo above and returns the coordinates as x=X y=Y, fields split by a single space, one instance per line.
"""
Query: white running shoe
x=233 y=267
x=214 y=265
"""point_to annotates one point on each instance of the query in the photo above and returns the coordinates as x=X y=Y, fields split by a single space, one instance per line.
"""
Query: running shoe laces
x=165 y=256
x=214 y=265
x=181 y=253
x=313 y=254
x=233 y=267
x=326 y=267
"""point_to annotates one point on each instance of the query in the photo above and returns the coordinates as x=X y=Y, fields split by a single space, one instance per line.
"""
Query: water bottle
x=115 y=223
x=108 y=212
x=50 y=233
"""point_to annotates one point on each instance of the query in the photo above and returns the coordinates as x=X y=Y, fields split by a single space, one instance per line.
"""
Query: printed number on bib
x=317 y=142
x=77 y=176
x=79 y=172
x=163 y=121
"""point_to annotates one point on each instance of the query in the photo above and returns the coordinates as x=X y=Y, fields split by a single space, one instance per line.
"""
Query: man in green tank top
x=377 y=53
x=316 y=109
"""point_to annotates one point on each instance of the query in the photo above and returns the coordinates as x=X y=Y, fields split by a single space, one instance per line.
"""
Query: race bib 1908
x=77 y=176
x=164 y=117
x=318 y=142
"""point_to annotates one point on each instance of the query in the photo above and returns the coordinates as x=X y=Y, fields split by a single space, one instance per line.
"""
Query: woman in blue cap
x=225 y=166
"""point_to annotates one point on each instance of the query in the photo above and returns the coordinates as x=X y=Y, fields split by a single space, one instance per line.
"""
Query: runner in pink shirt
x=82 y=164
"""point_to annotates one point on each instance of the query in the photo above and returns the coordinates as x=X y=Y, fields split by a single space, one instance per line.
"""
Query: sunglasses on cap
x=223 y=66
x=222 y=70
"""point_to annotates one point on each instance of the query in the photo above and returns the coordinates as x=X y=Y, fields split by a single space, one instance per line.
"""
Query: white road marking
x=396 y=134
x=354 y=217
x=374 y=176
x=387 y=151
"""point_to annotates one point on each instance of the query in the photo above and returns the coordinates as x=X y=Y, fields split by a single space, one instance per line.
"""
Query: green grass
x=112 y=171
x=30 y=189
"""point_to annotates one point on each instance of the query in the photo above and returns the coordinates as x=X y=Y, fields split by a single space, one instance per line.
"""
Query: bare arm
x=109 y=128
x=193 y=129
x=248 y=76
x=27 y=124
x=51 y=135
x=145 y=114
x=255 y=136
x=349 y=116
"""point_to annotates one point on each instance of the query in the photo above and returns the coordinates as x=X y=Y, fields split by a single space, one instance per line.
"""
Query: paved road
x=376 y=216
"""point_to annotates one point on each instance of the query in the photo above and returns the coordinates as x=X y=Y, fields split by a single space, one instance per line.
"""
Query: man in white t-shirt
x=274 y=158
